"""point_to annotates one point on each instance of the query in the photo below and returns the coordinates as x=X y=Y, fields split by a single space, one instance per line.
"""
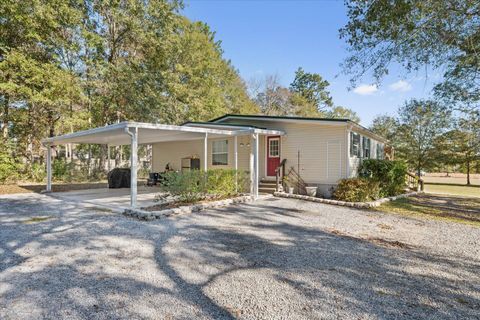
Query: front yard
x=437 y=206
x=274 y=258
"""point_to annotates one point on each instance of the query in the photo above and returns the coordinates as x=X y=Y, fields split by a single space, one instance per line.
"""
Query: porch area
x=240 y=155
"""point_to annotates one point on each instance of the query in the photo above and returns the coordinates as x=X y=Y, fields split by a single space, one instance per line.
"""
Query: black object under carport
x=119 y=178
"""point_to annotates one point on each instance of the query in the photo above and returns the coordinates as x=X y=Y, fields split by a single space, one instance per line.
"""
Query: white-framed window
x=220 y=152
x=274 y=148
x=354 y=144
x=366 y=143
x=380 y=151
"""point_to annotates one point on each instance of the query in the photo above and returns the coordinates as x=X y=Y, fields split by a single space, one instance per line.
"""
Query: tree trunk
x=5 y=118
x=468 y=173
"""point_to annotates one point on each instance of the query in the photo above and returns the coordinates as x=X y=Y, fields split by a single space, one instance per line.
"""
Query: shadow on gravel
x=366 y=278
x=197 y=257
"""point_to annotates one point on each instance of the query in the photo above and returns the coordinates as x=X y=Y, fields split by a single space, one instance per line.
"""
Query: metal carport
x=135 y=133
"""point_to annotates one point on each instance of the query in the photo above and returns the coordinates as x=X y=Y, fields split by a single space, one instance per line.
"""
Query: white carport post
x=235 y=151
x=252 y=190
x=256 y=165
x=205 y=152
x=108 y=157
x=133 y=165
x=49 y=168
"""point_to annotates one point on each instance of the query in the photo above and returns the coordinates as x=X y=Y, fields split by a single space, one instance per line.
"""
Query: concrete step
x=266 y=190
x=269 y=183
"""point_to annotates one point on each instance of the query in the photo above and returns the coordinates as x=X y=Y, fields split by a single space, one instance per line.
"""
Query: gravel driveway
x=273 y=259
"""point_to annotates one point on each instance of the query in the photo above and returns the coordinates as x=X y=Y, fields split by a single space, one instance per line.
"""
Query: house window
x=220 y=153
x=366 y=147
x=354 y=144
x=380 y=151
x=274 y=148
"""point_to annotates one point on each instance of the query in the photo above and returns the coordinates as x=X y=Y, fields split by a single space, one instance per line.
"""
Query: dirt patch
x=378 y=241
x=56 y=187
x=175 y=204
x=384 y=226
x=37 y=188
x=389 y=243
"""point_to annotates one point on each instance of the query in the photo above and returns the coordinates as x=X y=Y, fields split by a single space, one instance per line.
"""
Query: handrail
x=301 y=184
x=415 y=181
x=280 y=167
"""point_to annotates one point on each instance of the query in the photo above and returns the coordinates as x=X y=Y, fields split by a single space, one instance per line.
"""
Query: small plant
x=357 y=190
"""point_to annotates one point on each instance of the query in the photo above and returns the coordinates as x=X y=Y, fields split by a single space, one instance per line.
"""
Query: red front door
x=273 y=154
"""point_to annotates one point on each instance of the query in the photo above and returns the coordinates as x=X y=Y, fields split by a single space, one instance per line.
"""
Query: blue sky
x=277 y=37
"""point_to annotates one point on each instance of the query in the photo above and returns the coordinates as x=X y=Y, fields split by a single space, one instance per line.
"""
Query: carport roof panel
x=116 y=134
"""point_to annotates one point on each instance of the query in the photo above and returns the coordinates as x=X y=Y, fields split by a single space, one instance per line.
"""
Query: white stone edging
x=370 y=204
x=151 y=215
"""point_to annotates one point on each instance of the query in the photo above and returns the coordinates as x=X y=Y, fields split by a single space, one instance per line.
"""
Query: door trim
x=267 y=152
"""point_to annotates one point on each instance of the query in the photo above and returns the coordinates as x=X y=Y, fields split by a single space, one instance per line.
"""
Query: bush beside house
x=357 y=190
x=195 y=185
x=377 y=179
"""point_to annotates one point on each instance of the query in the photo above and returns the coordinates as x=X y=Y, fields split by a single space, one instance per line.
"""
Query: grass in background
x=444 y=207
x=470 y=191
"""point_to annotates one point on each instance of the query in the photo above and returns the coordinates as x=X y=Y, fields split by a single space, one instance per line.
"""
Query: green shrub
x=36 y=172
x=357 y=190
x=389 y=174
x=194 y=185
x=9 y=168
x=61 y=169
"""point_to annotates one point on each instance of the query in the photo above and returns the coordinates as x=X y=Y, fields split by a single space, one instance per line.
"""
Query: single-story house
x=320 y=151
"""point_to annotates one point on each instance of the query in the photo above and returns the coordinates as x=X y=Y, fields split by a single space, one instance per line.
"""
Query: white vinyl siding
x=311 y=140
x=334 y=154
x=312 y=147
x=173 y=152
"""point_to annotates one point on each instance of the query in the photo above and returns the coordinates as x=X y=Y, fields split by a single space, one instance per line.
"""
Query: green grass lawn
x=437 y=206
x=453 y=190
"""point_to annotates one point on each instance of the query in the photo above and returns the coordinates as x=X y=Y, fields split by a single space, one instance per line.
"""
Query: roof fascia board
x=139 y=125
x=82 y=133
x=142 y=125
x=216 y=125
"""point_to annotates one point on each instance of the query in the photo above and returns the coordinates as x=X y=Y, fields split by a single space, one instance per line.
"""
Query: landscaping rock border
x=151 y=215
x=362 y=205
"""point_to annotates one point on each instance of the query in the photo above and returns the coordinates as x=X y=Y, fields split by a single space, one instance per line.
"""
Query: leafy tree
x=313 y=88
x=271 y=97
x=439 y=34
x=421 y=123
x=461 y=146
x=385 y=126
x=343 y=113
x=70 y=65
x=305 y=97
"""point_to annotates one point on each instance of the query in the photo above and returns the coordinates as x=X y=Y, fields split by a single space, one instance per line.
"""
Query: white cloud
x=366 y=89
x=401 y=86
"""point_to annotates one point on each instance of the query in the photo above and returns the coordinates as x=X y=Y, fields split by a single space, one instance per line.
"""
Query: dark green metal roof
x=222 y=124
x=276 y=117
